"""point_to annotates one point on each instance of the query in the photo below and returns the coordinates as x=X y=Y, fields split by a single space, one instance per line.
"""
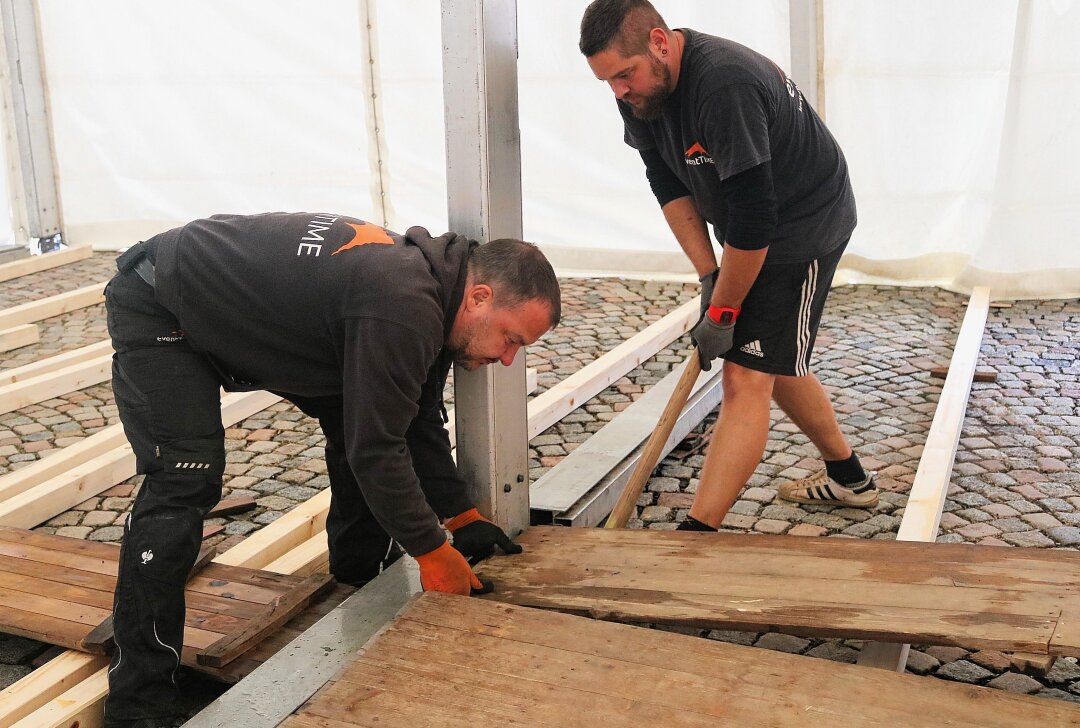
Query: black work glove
x=712 y=340
x=476 y=537
x=708 y=283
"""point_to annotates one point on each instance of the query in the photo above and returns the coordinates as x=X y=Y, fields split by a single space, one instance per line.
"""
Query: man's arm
x=689 y=228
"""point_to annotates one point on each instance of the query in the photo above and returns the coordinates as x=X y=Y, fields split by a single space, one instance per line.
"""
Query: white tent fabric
x=956 y=119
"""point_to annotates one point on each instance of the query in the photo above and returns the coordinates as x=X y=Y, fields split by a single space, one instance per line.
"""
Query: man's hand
x=476 y=537
x=445 y=570
x=708 y=283
x=712 y=339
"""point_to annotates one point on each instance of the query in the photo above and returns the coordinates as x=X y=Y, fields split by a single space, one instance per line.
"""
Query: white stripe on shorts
x=809 y=289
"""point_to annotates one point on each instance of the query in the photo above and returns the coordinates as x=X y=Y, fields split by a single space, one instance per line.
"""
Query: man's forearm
x=689 y=229
x=738 y=271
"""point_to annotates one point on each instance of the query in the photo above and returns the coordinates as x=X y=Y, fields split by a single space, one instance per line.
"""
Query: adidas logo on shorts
x=753 y=348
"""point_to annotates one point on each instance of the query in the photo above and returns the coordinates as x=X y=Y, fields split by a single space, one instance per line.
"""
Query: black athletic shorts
x=778 y=323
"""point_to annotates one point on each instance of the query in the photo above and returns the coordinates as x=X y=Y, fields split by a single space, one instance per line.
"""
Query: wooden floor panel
x=453 y=661
x=58 y=590
x=947 y=594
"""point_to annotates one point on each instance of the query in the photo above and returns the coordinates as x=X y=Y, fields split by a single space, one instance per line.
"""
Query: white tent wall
x=958 y=120
x=955 y=117
x=164 y=112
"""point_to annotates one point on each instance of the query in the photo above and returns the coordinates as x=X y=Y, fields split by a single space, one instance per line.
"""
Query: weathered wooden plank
x=1066 y=639
x=277 y=613
x=844 y=588
x=229 y=506
x=453 y=661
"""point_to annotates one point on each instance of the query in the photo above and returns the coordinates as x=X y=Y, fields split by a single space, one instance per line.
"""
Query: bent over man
x=727 y=139
x=357 y=326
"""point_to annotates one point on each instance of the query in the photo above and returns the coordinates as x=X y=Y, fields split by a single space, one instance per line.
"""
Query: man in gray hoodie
x=357 y=326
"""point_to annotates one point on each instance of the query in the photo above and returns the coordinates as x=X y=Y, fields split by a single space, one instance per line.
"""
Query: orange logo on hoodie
x=696 y=149
x=365 y=233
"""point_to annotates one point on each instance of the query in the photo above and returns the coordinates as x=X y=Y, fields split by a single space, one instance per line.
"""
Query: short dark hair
x=518 y=272
x=622 y=23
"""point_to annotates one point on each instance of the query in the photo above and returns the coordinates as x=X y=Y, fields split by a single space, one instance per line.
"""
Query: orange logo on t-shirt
x=366 y=233
x=696 y=149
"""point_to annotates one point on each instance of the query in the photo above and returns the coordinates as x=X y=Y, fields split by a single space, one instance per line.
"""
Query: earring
x=663 y=52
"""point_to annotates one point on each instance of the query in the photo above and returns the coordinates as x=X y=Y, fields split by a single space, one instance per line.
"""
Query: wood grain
x=946 y=594
x=460 y=662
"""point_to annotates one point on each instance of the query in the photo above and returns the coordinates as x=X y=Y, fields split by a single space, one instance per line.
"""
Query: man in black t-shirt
x=728 y=139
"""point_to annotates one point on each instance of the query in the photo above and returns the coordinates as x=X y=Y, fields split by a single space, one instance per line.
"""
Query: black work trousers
x=167 y=395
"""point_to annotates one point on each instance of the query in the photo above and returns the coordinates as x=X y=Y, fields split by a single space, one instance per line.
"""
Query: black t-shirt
x=732 y=110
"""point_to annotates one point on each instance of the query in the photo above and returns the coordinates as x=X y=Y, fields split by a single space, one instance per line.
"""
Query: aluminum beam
x=29 y=107
x=593 y=507
x=483 y=176
x=805 y=22
x=276 y=688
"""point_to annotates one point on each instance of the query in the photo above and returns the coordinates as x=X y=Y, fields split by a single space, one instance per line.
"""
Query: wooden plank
x=1066 y=639
x=281 y=536
x=983 y=376
x=55 y=383
x=41 y=502
x=454 y=661
x=838 y=588
x=78 y=707
x=19 y=336
x=230 y=506
x=38 y=263
x=28 y=313
x=283 y=609
x=56 y=464
x=552 y=405
x=52 y=363
x=33 y=696
x=310 y=557
x=45 y=683
x=922 y=514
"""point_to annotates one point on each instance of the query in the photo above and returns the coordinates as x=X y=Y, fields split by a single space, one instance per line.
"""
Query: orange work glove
x=446 y=570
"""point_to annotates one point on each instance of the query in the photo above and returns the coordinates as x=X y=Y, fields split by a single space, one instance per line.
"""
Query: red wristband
x=723 y=315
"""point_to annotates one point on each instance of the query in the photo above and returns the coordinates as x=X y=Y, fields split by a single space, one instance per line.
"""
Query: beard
x=652 y=104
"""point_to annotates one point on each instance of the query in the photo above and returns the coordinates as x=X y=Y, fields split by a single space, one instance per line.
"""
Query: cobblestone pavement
x=1016 y=480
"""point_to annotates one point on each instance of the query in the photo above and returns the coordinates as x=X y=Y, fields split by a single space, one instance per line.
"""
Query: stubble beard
x=653 y=105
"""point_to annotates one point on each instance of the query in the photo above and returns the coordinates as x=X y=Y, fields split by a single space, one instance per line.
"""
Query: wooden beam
x=37 y=263
x=81 y=706
x=922 y=514
x=310 y=557
x=551 y=406
x=276 y=539
x=41 y=471
x=55 y=383
x=52 y=363
x=28 y=313
x=41 y=502
x=47 y=682
x=19 y=336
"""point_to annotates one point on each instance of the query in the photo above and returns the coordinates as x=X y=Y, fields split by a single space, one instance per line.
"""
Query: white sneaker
x=820 y=489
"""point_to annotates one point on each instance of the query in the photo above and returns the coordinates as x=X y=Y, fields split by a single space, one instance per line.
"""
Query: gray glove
x=712 y=340
x=708 y=283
